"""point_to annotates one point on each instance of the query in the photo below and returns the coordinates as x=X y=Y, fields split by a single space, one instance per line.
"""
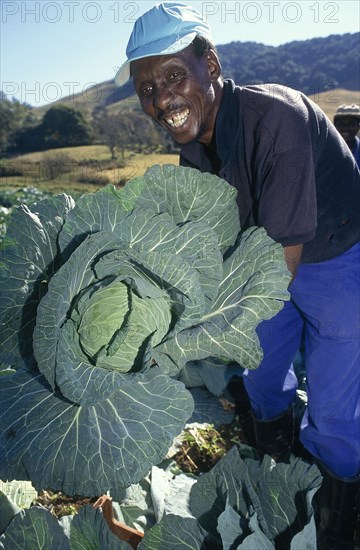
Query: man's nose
x=162 y=96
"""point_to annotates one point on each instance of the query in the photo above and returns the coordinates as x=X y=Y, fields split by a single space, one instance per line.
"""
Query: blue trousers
x=325 y=310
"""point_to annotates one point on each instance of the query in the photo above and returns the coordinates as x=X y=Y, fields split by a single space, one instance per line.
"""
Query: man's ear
x=214 y=65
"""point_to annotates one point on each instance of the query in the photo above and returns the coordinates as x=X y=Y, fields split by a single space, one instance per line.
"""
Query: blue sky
x=51 y=49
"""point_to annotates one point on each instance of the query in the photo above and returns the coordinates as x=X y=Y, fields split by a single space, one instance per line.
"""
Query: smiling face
x=181 y=92
x=348 y=127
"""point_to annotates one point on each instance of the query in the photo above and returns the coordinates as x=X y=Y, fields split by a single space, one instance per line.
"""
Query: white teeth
x=178 y=120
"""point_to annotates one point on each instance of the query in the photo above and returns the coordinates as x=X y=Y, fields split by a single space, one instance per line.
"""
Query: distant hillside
x=312 y=66
x=104 y=93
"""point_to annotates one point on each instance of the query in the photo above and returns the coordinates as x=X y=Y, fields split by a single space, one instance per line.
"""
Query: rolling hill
x=312 y=66
x=327 y=69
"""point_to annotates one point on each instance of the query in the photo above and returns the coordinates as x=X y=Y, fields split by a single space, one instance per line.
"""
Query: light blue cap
x=165 y=29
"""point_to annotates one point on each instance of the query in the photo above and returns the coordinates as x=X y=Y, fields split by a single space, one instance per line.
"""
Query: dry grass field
x=329 y=101
x=78 y=169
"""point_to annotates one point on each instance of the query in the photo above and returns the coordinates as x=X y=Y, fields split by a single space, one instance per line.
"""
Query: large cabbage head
x=103 y=304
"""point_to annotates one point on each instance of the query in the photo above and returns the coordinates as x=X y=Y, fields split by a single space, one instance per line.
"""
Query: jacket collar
x=226 y=122
x=225 y=128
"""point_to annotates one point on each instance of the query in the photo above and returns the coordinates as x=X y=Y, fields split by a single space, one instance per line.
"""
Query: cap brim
x=165 y=46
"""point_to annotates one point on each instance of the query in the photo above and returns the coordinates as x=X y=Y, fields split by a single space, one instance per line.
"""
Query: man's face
x=180 y=92
x=348 y=127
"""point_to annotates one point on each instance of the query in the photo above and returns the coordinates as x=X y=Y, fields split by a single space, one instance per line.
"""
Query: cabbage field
x=124 y=313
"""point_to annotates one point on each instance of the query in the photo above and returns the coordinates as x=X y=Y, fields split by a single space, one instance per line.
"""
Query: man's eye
x=175 y=74
x=145 y=90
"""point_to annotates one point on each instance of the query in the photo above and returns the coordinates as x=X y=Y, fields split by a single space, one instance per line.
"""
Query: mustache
x=171 y=108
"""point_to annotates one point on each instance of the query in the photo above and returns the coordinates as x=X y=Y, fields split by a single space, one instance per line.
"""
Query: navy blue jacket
x=294 y=174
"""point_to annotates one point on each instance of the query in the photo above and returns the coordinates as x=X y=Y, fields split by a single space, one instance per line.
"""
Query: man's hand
x=292 y=257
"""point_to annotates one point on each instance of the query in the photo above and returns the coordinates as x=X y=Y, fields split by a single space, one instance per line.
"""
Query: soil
x=203 y=448
x=62 y=505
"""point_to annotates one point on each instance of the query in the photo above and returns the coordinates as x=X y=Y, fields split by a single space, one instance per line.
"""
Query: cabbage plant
x=103 y=303
x=244 y=503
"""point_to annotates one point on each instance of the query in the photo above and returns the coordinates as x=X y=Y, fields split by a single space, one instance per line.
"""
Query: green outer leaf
x=283 y=494
x=306 y=538
x=229 y=527
x=78 y=379
x=170 y=493
x=133 y=505
x=253 y=289
x=87 y=450
x=100 y=211
x=257 y=540
x=280 y=494
x=195 y=241
x=75 y=275
x=104 y=211
x=187 y=194
x=8 y=509
x=255 y=277
x=145 y=228
x=211 y=373
x=223 y=483
x=89 y=531
x=175 y=533
x=33 y=529
x=25 y=270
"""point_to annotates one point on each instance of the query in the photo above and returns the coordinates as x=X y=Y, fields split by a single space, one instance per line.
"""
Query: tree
x=64 y=126
x=128 y=129
x=13 y=116
x=111 y=129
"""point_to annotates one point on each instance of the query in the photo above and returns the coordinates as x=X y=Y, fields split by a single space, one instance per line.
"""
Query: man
x=296 y=177
x=347 y=123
